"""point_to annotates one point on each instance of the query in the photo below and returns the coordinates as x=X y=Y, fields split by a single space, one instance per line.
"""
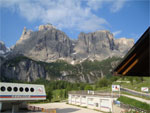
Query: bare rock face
x=21 y=68
x=46 y=27
x=4 y=51
x=25 y=70
x=100 y=45
x=47 y=44
x=25 y=35
x=123 y=44
x=3 y=48
x=50 y=44
x=97 y=45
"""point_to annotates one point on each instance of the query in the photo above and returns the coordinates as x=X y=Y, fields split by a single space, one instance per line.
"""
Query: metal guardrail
x=134 y=92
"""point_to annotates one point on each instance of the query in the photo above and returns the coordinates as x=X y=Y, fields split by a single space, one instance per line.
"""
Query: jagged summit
x=1 y=42
x=46 y=27
x=24 y=31
x=3 y=48
x=124 y=40
x=50 y=44
x=25 y=35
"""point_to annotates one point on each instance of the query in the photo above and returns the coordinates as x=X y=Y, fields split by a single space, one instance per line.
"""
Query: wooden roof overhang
x=136 y=62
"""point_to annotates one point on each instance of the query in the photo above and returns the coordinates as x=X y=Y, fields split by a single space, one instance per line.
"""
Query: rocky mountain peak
x=2 y=43
x=124 y=41
x=3 y=48
x=50 y=44
x=47 y=44
x=99 y=35
x=124 y=44
x=46 y=27
x=25 y=35
x=24 y=31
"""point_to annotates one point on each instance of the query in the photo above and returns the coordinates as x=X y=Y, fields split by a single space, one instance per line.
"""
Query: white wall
x=83 y=101
x=92 y=101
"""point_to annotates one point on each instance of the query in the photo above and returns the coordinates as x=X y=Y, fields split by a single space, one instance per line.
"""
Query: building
x=93 y=99
x=136 y=62
x=13 y=95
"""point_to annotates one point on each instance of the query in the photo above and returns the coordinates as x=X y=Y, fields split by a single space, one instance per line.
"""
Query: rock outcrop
x=21 y=68
x=3 y=48
x=123 y=45
x=24 y=70
x=97 y=46
x=49 y=44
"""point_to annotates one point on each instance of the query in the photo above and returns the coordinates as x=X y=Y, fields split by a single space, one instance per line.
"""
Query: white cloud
x=63 y=13
x=117 y=33
x=95 y=4
x=117 y=5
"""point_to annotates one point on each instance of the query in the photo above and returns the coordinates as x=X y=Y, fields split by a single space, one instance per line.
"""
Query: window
x=15 y=89
x=9 y=89
x=32 y=89
x=26 y=89
x=3 y=88
x=21 y=89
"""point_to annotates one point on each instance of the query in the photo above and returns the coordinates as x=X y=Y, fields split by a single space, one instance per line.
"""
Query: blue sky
x=124 y=18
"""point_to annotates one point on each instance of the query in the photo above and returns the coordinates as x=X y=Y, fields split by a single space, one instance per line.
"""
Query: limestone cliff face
x=98 y=45
x=3 y=48
x=49 y=44
x=123 y=44
x=25 y=35
x=25 y=69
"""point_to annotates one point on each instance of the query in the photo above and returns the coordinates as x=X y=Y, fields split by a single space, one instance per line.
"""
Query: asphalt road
x=134 y=92
x=137 y=98
x=65 y=108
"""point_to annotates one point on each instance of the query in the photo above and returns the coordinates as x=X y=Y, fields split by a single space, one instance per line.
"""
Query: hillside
x=25 y=69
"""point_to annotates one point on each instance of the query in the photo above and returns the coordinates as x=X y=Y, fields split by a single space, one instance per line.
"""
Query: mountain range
x=49 y=44
x=50 y=54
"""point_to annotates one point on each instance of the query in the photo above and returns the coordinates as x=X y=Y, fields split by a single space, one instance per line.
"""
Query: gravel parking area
x=65 y=108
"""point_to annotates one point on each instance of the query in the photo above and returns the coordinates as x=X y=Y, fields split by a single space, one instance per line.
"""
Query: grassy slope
x=134 y=102
x=58 y=95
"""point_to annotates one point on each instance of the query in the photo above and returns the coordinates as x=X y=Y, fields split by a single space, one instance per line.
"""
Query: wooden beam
x=126 y=63
x=133 y=64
